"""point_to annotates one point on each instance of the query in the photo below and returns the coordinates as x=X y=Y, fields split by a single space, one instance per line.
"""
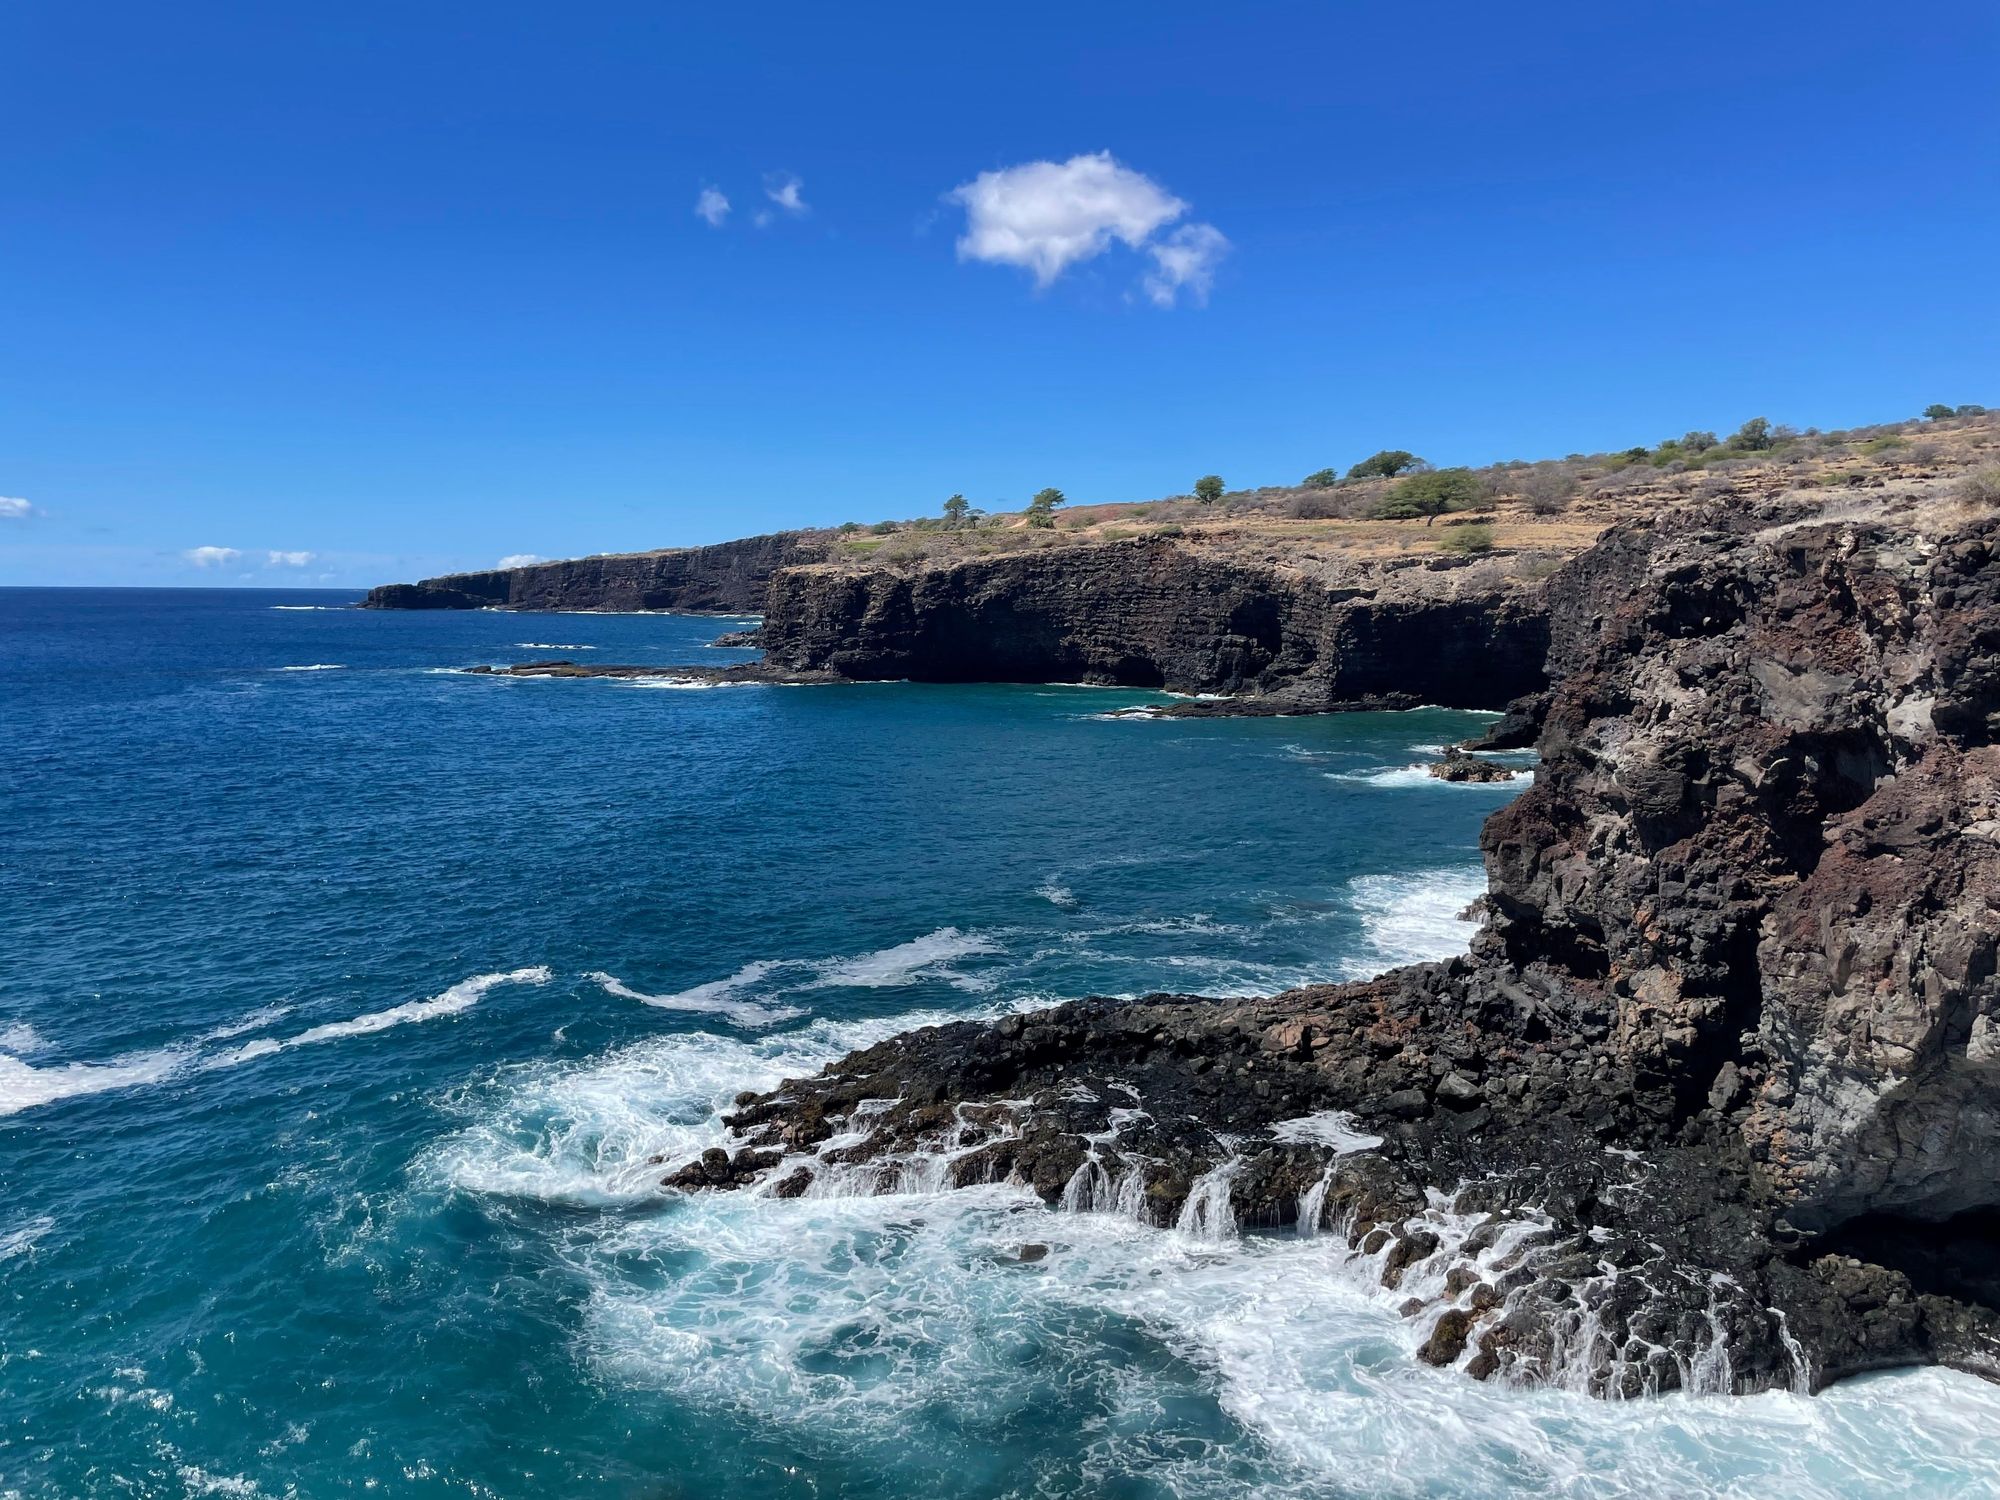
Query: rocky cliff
x=728 y=578
x=1160 y=614
x=1711 y=1104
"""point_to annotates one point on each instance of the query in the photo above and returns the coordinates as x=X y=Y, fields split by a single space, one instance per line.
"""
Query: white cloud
x=1047 y=216
x=517 y=560
x=1185 y=262
x=783 y=189
x=712 y=207
x=212 y=557
x=288 y=559
x=14 y=510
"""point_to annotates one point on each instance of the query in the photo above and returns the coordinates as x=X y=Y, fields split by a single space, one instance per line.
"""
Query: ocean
x=349 y=1004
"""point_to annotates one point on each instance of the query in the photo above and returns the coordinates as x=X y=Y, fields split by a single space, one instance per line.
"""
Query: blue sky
x=417 y=286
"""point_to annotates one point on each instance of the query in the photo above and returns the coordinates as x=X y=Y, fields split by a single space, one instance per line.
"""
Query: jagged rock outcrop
x=1158 y=614
x=728 y=578
x=1712 y=1102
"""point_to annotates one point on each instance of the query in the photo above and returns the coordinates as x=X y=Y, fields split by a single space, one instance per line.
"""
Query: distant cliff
x=1156 y=613
x=728 y=578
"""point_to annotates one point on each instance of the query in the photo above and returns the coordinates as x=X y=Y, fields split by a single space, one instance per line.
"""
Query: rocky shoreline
x=1714 y=1101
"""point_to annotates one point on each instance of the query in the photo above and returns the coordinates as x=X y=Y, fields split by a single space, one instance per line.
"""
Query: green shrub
x=1885 y=444
x=1320 y=479
x=1467 y=540
x=1970 y=409
x=1208 y=488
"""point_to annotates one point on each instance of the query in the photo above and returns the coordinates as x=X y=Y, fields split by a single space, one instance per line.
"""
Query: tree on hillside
x=1970 y=409
x=1431 y=495
x=1698 y=441
x=1042 y=509
x=1320 y=479
x=1937 y=411
x=1208 y=488
x=1386 y=465
x=957 y=510
x=1753 y=436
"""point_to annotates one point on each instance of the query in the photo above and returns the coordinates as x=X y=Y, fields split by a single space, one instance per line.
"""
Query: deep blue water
x=343 y=1009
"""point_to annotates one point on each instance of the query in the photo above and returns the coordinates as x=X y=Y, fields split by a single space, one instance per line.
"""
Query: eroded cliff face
x=728 y=578
x=1156 y=614
x=1768 y=826
x=1712 y=1102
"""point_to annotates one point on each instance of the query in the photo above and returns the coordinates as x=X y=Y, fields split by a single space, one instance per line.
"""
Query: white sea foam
x=1334 y=1128
x=1412 y=918
x=856 y=1325
x=713 y=998
x=1056 y=893
x=1420 y=776
x=598 y=1132
x=318 y=666
x=927 y=957
x=24 y=1087
x=547 y=646
x=313 y=608
x=20 y=1039
x=853 y=1323
x=21 y=1240
x=460 y=997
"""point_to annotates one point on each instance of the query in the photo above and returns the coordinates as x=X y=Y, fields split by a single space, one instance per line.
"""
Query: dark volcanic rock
x=1154 y=613
x=1714 y=1103
x=1458 y=766
x=729 y=578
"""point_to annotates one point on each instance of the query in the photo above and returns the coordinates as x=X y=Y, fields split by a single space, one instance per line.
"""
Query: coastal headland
x=1713 y=1102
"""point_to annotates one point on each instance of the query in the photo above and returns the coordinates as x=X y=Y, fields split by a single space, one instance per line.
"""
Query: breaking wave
x=1412 y=918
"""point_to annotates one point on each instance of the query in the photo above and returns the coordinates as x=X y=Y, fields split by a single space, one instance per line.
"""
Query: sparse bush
x=1467 y=540
x=1887 y=444
x=1981 y=487
x=1431 y=495
x=1926 y=453
x=1208 y=488
x=1168 y=531
x=1320 y=479
x=1387 y=465
x=1970 y=409
x=1315 y=505
x=1548 y=490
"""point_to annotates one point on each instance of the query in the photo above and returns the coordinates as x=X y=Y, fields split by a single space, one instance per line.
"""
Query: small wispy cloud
x=13 y=509
x=212 y=557
x=786 y=189
x=288 y=559
x=712 y=207
x=1185 y=261
x=518 y=560
x=1047 y=216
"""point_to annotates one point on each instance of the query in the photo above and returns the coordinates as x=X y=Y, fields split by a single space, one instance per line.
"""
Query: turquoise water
x=346 y=1000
